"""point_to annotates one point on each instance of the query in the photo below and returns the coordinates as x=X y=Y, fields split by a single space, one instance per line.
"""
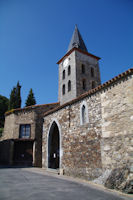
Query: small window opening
x=63 y=89
x=69 y=70
x=63 y=76
x=84 y=84
x=69 y=86
x=93 y=84
x=83 y=69
x=83 y=114
x=92 y=72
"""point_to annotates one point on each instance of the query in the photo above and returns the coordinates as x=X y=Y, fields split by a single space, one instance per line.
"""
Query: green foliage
x=4 y=102
x=18 y=93
x=12 y=102
x=1 y=131
x=15 y=97
x=30 y=99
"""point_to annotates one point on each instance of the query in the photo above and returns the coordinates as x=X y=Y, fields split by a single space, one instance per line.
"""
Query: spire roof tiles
x=77 y=41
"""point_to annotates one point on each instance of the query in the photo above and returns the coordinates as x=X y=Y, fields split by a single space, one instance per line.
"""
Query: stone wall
x=117 y=124
x=88 y=62
x=39 y=130
x=32 y=115
x=80 y=144
x=76 y=59
x=106 y=141
x=72 y=77
x=8 y=127
x=13 y=122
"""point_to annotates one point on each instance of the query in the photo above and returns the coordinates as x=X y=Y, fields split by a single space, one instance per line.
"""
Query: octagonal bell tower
x=78 y=70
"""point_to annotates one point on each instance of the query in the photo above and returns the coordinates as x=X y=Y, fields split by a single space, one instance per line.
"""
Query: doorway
x=54 y=147
x=23 y=153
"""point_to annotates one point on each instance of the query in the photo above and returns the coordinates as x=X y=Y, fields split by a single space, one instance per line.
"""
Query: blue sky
x=35 y=34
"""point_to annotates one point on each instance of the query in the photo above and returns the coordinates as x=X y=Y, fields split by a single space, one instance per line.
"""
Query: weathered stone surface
x=104 y=143
x=32 y=115
x=119 y=179
x=80 y=144
x=102 y=178
x=76 y=60
x=117 y=126
x=128 y=187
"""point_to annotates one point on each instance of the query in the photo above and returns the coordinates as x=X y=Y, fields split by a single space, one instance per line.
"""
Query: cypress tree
x=30 y=99
x=3 y=108
x=18 y=95
x=15 y=97
x=12 y=101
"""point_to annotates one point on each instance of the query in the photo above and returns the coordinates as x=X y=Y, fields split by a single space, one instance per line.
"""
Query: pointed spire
x=77 y=40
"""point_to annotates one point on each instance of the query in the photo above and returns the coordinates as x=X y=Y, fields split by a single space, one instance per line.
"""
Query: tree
x=15 y=97
x=4 y=102
x=18 y=95
x=30 y=99
x=12 y=101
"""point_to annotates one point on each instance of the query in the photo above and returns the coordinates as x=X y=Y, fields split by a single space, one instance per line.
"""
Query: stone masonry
x=89 y=133
x=32 y=115
x=80 y=144
x=90 y=63
x=106 y=141
x=76 y=59
x=117 y=124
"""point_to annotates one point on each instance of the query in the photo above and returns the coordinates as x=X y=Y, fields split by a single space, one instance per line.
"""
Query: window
x=63 y=89
x=83 y=113
x=84 y=84
x=25 y=131
x=92 y=72
x=69 y=70
x=69 y=86
x=93 y=84
x=83 y=69
x=63 y=75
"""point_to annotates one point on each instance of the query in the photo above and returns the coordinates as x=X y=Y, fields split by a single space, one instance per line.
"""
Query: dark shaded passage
x=54 y=147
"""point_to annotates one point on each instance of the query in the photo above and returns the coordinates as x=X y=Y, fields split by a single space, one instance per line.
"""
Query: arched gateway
x=54 y=147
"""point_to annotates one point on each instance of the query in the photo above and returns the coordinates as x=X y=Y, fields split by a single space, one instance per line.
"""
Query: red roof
x=79 y=50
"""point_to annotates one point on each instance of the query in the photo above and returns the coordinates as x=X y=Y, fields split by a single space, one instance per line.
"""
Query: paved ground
x=35 y=184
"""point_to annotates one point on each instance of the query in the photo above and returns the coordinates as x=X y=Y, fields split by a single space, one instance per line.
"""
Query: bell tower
x=78 y=70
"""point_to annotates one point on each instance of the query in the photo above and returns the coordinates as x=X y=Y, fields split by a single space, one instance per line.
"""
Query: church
x=88 y=133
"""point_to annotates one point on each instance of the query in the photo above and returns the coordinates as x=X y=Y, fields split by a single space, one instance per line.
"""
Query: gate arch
x=54 y=146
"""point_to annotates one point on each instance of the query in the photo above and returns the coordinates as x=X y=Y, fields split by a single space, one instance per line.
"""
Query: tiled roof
x=29 y=108
x=92 y=91
x=77 y=41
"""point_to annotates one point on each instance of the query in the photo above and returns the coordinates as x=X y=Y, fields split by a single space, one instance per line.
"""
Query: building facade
x=88 y=134
x=94 y=131
x=78 y=70
x=21 y=143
